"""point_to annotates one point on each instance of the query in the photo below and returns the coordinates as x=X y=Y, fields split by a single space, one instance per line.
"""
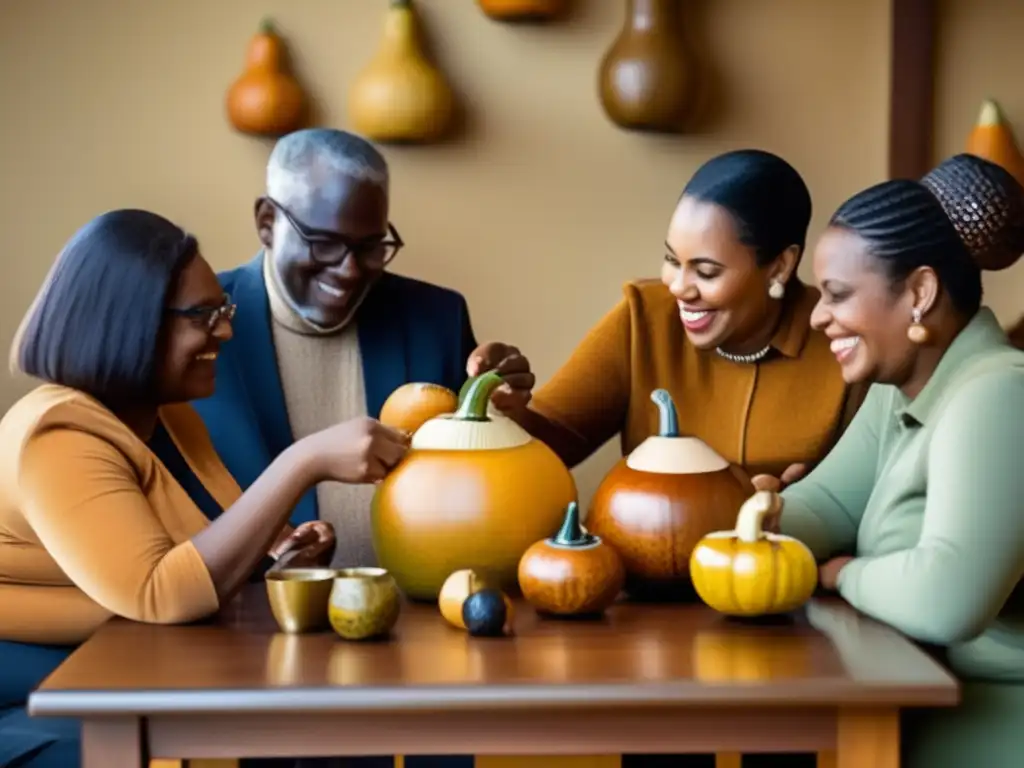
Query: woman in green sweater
x=918 y=512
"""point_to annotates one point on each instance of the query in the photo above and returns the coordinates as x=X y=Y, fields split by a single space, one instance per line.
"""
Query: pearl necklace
x=751 y=358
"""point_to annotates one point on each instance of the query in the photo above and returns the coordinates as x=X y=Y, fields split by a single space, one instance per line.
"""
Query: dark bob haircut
x=95 y=324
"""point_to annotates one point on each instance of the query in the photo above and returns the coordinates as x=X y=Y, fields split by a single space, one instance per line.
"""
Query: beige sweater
x=322 y=377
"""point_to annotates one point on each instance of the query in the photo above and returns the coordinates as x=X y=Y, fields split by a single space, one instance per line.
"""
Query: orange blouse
x=788 y=408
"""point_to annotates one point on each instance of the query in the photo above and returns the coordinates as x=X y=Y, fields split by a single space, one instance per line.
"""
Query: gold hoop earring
x=777 y=289
x=917 y=333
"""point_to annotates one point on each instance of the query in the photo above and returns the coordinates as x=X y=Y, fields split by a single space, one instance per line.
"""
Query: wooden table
x=651 y=679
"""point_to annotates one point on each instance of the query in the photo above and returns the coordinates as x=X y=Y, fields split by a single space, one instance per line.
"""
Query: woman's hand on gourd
x=360 y=450
x=311 y=544
x=513 y=367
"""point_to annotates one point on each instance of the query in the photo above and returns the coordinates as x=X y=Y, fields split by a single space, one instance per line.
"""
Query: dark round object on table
x=485 y=613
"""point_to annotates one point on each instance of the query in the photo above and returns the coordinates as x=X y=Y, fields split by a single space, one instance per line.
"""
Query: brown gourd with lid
x=646 y=79
x=655 y=504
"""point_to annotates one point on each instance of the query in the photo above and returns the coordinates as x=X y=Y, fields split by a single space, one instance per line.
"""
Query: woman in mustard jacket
x=93 y=522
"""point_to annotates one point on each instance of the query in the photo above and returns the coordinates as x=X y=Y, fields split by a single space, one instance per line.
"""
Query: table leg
x=107 y=742
x=728 y=760
x=868 y=737
x=827 y=759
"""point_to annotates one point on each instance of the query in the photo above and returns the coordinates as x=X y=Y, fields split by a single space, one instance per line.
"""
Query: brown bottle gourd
x=266 y=100
x=656 y=504
x=401 y=96
x=645 y=78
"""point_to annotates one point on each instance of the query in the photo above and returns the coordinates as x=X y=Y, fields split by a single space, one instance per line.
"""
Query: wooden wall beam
x=912 y=87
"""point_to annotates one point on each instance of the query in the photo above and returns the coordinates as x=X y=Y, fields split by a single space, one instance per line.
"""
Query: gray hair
x=295 y=155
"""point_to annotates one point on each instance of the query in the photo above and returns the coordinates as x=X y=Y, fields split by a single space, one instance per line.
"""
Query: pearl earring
x=777 y=289
x=917 y=333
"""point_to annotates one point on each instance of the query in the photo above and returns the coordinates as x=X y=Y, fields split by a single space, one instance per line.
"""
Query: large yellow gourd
x=749 y=572
x=474 y=492
x=401 y=96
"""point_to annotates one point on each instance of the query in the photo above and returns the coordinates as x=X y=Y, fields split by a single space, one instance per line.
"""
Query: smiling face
x=340 y=214
x=721 y=291
x=862 y=313
x=198 y=322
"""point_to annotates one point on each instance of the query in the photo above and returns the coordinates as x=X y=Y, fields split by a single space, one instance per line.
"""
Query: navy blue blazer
x=409 y=331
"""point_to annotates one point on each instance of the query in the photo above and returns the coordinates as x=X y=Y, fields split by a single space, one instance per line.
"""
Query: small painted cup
x=299 y=598
x=364 y=603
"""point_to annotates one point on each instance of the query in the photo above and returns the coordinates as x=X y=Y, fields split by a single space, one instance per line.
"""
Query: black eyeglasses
x=207 y=317
x=331 y=249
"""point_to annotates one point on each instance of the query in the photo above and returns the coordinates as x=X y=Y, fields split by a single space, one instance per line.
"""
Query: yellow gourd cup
x=750 y=572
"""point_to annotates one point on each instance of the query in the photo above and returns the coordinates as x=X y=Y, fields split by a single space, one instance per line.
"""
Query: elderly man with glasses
x=323 y=332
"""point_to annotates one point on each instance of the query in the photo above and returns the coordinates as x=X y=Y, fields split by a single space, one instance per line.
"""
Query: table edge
x=82 y=703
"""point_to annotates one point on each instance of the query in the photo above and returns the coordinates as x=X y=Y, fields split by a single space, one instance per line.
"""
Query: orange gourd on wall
x=266 y=99
x=522 y=10
x=992 y=139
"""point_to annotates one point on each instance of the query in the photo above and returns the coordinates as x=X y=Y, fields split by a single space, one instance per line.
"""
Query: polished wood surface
x=637 y=655
x=652 y=679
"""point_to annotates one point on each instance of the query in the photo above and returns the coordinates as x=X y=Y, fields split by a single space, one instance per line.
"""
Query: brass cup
x=299 y=597
x=364 y=603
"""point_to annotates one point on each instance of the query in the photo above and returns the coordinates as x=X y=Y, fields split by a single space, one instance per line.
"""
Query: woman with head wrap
x=917 y=511
x=725 y=331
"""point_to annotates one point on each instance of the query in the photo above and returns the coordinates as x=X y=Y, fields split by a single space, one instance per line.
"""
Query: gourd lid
x=474 y=426
x=668 y=452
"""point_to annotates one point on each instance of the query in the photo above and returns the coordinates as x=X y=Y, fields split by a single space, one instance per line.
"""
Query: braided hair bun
x=985 y=205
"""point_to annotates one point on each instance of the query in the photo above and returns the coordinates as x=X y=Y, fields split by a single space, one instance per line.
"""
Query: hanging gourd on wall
x=401 y=96
x=266 y=99
x=522 y=10
x=992 y=138
x=645 y=80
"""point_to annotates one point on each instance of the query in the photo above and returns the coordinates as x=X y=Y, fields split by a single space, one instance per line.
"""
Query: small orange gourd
x=412 y=405
x=992 y=138
x=572 y=573
x=522 y=10
x=266 y=99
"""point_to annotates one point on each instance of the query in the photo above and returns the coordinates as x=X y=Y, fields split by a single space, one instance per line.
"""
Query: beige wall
x=980 y=55
x=109 y=104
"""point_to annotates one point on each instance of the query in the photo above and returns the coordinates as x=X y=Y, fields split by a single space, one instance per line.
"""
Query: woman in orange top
x=726 y=331
x=93 y=523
